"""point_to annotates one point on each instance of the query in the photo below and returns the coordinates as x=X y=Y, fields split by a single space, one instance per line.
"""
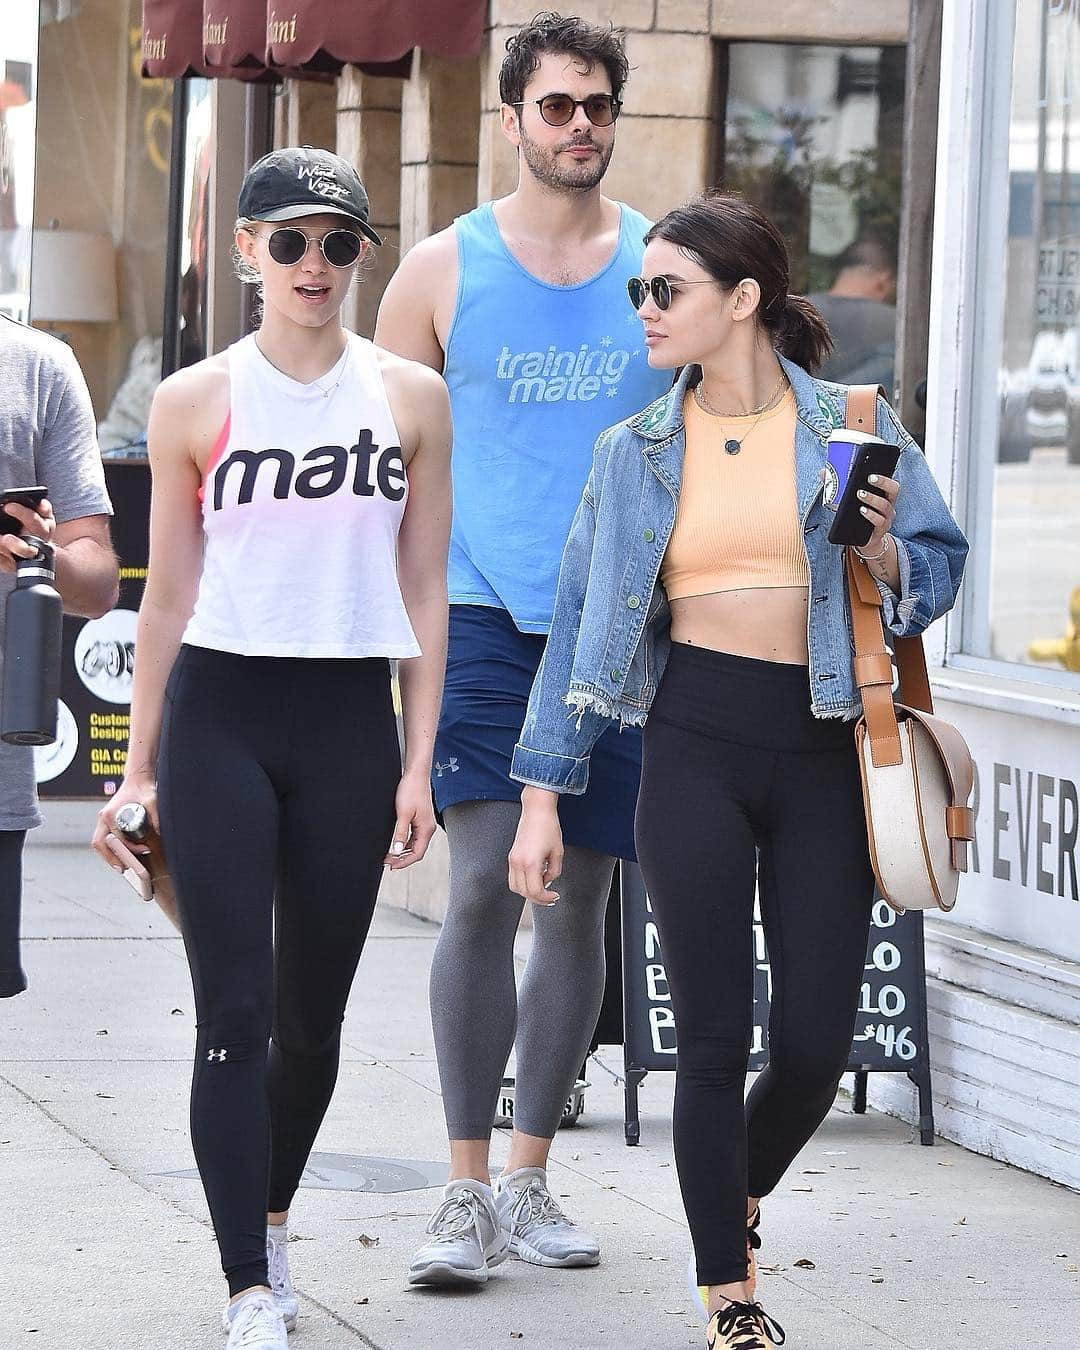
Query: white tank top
x=302 y=502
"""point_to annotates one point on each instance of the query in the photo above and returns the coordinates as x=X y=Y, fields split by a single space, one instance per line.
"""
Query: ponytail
x=799 y=331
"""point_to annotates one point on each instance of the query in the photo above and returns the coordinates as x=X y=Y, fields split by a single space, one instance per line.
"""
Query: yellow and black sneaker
x=743 y=1326
x=753 y=1243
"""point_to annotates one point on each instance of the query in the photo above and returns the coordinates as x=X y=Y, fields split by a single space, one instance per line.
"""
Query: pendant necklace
x=344 y=367
x=316 y=384
x=733 y=445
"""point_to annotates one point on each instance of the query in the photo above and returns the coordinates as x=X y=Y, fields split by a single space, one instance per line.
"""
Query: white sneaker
x=538 y=1230
x=467 y=1240
x=277 y=1261
x=281 y=1285
x=256 y=1324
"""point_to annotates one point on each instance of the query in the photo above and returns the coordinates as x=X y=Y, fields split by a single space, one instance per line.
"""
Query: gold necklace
x=733 y=445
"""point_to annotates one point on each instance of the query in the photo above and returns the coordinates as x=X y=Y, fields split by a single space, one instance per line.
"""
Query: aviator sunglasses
x=558 y=110
x=288 y=245
x=638 y=289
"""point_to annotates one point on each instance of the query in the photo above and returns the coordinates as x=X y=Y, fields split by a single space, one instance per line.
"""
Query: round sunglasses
x=558 y=110
x=638 y=289
x=288 y=246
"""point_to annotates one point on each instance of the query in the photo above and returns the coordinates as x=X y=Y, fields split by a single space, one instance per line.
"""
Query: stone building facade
x=431 y=148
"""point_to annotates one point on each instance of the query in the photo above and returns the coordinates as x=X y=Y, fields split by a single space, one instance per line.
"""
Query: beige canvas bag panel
x=917 y=771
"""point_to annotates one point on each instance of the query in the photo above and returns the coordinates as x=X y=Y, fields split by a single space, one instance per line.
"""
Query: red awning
x=172 y=39
x=265 y=39
x=234 y=39
x=322 y=34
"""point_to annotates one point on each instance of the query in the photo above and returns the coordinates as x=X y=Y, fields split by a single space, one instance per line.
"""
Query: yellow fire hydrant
x=1065 y=650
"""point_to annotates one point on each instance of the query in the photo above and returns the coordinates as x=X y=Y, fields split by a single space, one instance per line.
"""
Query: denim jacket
x=610 y=631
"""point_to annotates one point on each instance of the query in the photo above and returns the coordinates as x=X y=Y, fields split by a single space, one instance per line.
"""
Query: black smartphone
x=29 y=496
x=852 y=458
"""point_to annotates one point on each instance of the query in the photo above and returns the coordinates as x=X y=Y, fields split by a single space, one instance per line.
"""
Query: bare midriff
x=766 y=623
x=735 y=569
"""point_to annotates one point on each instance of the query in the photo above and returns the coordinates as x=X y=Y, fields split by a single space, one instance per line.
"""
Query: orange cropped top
x=737 y=526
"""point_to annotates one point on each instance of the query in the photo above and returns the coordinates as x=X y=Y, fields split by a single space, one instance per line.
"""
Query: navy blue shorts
x=489 y=672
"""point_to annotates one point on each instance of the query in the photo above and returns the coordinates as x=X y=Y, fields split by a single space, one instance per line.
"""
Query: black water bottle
x=32 y=640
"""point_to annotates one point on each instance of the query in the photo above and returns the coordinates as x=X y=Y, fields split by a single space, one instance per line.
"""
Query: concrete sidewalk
x=106 y=1249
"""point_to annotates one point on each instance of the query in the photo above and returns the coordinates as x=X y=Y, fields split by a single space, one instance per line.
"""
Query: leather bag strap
x=873 y=662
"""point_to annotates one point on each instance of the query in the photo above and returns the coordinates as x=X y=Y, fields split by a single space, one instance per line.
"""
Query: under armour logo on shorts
x=218 y=1055
x=440 y=769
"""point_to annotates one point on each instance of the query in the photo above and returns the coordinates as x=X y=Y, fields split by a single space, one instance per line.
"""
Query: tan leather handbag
x=917 y=772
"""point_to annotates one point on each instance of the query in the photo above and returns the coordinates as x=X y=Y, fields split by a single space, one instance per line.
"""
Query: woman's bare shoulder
x=190 y=407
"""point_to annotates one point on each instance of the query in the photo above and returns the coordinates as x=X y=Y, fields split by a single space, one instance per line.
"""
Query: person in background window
x=860 y=311
x=47 y=439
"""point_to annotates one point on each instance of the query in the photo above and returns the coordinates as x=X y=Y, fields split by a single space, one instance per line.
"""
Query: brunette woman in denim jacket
x=699 y=591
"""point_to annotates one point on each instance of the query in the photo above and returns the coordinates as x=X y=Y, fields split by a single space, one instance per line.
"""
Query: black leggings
x=12 y=979
x=741 y=784
x=277 y=779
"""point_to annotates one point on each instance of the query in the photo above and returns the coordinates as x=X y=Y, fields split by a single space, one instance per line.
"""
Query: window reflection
x=194 y=258
x=813 y=135
x=1035 y=551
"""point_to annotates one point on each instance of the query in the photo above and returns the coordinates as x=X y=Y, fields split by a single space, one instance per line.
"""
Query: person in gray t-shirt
x=47 y=438
x=860 y=315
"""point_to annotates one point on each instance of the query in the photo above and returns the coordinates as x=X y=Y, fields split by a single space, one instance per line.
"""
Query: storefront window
x=1033 y=553
x=813 y=135
x=100 y=205
x=18 y=90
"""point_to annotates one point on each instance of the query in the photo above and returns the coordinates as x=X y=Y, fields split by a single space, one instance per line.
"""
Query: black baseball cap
x=305 y=181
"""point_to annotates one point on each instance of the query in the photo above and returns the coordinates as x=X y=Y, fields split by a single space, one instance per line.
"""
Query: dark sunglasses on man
x=558 y=110
x=288 y=245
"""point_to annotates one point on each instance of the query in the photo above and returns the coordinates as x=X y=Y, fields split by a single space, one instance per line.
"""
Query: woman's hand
x=878 y=505
x=108 y=842
x=39 y=522
x=536 y=858
x=415 y=821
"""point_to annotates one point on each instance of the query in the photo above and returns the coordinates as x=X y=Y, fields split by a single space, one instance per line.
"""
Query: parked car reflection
x=1040 y=402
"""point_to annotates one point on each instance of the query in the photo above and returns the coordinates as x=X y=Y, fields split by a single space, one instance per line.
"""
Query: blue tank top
x=535 y=372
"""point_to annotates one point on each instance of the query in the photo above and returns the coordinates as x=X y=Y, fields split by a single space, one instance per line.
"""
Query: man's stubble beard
x=544 y=167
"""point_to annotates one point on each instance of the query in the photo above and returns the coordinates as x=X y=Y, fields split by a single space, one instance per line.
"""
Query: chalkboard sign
x=890 y=1030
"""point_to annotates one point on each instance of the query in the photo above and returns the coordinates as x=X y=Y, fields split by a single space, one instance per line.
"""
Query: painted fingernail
x=397 y=846
x=872 y=478
x=863 y=494
x=864 y=510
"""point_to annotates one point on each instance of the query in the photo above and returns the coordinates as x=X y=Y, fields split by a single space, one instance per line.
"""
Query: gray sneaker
x=538 y=1230
x=467 y=1240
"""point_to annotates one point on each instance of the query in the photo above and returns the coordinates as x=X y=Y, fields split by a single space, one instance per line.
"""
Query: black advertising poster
x=87 y=759
x=890 y=1029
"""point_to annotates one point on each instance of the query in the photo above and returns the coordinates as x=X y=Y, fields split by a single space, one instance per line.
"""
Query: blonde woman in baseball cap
x=299 y=528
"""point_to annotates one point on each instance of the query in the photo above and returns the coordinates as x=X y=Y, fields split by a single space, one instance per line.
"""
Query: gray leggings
x=476 y=1009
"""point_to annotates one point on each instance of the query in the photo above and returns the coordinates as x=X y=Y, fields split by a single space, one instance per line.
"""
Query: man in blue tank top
x=522 y=306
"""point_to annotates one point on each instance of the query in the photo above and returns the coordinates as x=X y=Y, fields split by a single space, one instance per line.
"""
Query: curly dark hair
x=550 y=32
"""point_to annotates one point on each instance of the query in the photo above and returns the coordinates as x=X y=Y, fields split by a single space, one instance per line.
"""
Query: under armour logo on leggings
x=218 y=1055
